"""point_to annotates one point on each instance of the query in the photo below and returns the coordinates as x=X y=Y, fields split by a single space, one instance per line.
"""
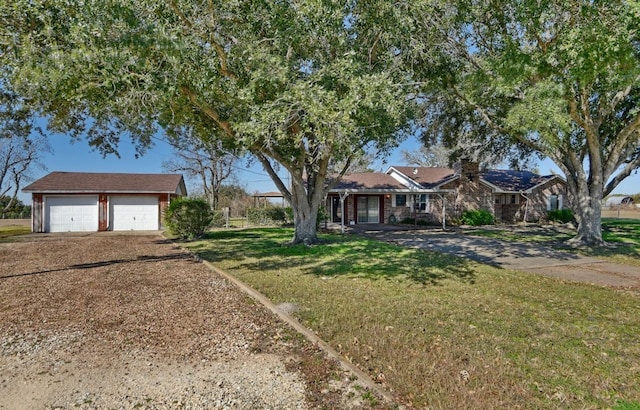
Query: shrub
x=218 y=218
x=560 y=215
x=323 y=216
x=288 y=212
x=476 y=217
x=188 y=218
x=267 y=216
x=412 y=221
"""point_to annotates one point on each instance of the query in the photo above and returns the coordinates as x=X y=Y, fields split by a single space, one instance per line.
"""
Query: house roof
x=86 y=182
x=414 y=179
x=427 y=177
x=368 y=181
x=514 y=181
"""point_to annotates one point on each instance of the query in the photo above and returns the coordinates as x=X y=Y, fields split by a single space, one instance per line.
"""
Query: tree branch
x=266 y=164
x=622 y=144
x=207 y=110
x=222 y=56
x=625 y=172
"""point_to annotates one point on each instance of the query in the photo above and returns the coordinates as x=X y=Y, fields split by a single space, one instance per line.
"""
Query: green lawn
x=622 y=237
x=444 y=332
x=13 y=230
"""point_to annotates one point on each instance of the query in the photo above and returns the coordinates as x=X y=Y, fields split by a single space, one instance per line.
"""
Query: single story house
x=91 y=202
x=434 y=194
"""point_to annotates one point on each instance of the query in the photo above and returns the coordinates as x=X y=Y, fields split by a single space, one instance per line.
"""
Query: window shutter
x=548 y=203
x=560 y=202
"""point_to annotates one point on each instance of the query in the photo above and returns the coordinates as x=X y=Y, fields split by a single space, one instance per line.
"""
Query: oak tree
x=295 y=83
x=556 y=78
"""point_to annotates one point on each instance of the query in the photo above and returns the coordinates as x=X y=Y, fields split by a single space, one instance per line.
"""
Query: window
x=422 y=203
x=368 y=209
x=401 y=200
x=554 y=203
x=513 y=199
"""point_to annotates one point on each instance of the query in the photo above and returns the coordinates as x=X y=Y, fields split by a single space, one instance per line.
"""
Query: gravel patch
x=130 y=322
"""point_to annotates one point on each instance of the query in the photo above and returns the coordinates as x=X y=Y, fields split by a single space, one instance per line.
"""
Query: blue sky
x=79 y=157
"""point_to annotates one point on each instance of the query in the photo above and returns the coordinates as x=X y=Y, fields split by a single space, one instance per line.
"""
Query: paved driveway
x=511 y=255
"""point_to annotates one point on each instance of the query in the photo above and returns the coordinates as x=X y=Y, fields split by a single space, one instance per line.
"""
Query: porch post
x=343 y=196
x=526 y=206
x=444 y=212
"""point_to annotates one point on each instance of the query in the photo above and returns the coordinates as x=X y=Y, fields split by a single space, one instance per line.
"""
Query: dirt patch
x=623 y=212
x=110 y=321
x=15 y=222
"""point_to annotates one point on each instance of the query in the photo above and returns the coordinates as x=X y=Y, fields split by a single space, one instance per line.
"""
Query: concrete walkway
x=520 y=256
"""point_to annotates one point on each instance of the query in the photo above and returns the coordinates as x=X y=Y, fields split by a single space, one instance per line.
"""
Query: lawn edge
x=363 y=378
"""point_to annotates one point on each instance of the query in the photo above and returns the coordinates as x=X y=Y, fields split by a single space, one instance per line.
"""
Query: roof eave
x=547 y=181
x=391 y=190
x=90 y=191
x=448 y=180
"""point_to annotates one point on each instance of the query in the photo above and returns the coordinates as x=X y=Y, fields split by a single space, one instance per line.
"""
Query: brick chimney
x=467 y=169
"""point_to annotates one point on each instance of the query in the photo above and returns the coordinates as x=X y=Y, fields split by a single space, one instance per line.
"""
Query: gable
x=86 y=182
x=423 y=177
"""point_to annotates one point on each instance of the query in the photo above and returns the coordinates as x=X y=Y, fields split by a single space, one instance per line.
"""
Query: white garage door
x=134 y=213
x=71 y=213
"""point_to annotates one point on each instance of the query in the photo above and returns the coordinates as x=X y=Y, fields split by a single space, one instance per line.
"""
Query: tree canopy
x=557 y=78
x=304 y=85
x=297 y=84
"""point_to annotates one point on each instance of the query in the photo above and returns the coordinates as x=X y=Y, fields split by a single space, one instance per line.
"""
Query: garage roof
x=87 y=182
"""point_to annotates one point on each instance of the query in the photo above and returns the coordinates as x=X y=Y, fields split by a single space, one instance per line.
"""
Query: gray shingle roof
x=514 y=181
x=86 y=182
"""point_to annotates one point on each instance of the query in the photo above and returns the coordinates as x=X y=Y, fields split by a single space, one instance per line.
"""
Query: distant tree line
x=11 y=208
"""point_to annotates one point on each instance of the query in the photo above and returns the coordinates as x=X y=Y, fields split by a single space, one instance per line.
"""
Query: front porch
x=351 y=209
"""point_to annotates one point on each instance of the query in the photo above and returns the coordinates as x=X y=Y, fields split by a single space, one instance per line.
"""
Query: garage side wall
x=37 y=214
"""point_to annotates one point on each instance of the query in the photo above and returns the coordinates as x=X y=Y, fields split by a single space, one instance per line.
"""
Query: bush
x=560 y=215
x=218 y=218
x=412 y=221
x=323 y=216
x=267 y=216
x=278 y=215
x=476 y=217
x=188 y=218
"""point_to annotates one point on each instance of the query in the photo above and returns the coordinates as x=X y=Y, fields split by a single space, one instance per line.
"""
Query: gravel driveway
x=124 y=321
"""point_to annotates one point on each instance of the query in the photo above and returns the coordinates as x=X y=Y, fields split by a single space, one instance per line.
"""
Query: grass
x=13 y=230
x=622 y=237
x=443 y=332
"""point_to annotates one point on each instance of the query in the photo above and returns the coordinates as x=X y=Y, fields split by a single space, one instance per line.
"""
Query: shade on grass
x=444 y=332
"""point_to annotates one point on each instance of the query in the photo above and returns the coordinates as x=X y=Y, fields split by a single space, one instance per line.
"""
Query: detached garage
x=90 y=202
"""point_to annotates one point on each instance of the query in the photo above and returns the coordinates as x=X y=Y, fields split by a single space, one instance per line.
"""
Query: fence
x=621 y=211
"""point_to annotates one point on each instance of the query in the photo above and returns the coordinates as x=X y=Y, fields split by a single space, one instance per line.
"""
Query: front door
x=336 y=209
x=368 y=209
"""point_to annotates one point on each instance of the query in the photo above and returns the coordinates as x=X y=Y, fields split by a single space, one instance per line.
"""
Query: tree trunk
x=587 y=208
x=305 y=215
x=305 y=227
